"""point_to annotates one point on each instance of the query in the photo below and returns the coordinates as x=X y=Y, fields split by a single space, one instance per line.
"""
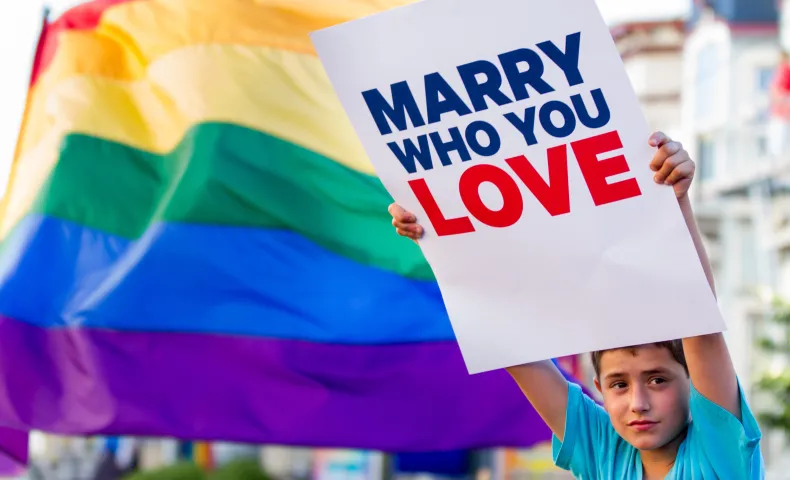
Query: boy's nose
x=640 y=402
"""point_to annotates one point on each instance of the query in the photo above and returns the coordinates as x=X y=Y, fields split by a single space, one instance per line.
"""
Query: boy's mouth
x=642 y=425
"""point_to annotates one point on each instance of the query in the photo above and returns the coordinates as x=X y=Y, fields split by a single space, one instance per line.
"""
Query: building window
x=765 y=76
x=706 y=159
x=762 y=143
x=750 y=250
x=705 y=82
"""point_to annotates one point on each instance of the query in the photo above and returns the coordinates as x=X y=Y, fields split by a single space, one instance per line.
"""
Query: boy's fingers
x=670 y=165
x=664 y=152
x=658 y=139
x=670 y=148
x=657 y=162
x=396 y=211
x=683 y=171
x=401 y=215
x=410 y=227
x=407 y=234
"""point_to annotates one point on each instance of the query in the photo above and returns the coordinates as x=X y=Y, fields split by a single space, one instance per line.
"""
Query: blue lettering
x=569 y=119
x=456 y=144
x=402 y=104
x=519 y=80
x=494 y=142
x=584 y=115
x=412 y=152
x=436 y=86
x=478 y=91
x=568 y=60
x=526 y=126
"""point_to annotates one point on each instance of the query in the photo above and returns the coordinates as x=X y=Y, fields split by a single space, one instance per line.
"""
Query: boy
x=671 y=410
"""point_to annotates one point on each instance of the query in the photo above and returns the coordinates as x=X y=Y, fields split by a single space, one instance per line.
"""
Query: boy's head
x=645 y=391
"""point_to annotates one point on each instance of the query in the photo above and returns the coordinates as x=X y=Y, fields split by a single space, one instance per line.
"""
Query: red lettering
x=596 y=171
x=442 y=226
x=513 y=205
x=554 y=196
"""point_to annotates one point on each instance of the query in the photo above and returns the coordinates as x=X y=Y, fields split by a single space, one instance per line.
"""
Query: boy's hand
x=672 y=164
x=405 y=223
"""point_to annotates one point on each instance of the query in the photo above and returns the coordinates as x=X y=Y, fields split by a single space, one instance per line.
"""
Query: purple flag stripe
x=408 y=397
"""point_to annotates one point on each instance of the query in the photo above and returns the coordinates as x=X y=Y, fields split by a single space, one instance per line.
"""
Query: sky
x=21 y=21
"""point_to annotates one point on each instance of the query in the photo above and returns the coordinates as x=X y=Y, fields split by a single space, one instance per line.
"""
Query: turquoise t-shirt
x=717 y=445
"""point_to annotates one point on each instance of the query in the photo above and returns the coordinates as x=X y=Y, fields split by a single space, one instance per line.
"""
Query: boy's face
x=646 y=393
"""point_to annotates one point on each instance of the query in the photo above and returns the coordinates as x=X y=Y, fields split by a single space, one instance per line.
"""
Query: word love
x=553 y=195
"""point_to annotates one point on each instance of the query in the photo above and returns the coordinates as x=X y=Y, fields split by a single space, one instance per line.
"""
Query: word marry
x=482 y=81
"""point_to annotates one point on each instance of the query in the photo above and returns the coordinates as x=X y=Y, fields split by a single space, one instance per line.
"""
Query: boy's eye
x=618 y=385
x=657 y=380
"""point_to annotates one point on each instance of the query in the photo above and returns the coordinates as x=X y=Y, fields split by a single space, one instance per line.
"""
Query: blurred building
x=729 y=59
x=652 y=53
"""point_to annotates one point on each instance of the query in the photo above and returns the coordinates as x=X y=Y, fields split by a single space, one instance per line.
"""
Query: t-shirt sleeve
x=728 y=443
x=587 y=434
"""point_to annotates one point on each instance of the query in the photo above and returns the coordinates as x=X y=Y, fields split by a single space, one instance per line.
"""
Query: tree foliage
x=179 y=471
x=777 y=384
x=242 y=469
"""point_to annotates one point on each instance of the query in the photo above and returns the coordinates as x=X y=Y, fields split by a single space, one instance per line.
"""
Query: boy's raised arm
x=547 y=391
x=710 y=365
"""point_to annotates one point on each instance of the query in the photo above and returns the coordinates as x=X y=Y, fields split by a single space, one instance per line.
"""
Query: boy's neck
x=657 y=463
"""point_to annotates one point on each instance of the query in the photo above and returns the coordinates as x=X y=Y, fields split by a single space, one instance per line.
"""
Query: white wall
x=656 y=78
x=655 y=73
x=705 y=80
x=725 y=79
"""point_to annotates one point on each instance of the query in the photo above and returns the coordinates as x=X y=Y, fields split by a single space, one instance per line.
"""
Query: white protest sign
x=509 y=127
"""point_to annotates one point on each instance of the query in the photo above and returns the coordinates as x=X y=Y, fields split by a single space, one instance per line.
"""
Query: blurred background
x=708 y=72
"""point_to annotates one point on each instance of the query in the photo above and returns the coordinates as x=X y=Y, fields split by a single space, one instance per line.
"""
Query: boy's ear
x=598 y=385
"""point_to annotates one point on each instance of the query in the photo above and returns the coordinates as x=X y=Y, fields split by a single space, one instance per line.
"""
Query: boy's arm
x=710 y=365
x=547 y=390
x=582 y=430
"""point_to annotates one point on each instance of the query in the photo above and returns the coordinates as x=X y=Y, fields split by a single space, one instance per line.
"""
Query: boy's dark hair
x=675 y=347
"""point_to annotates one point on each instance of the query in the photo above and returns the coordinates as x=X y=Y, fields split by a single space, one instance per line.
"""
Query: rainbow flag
x=13 y=452
x=195 y=245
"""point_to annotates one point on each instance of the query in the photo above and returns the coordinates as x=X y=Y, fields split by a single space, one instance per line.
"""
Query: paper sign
x=509 y=127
